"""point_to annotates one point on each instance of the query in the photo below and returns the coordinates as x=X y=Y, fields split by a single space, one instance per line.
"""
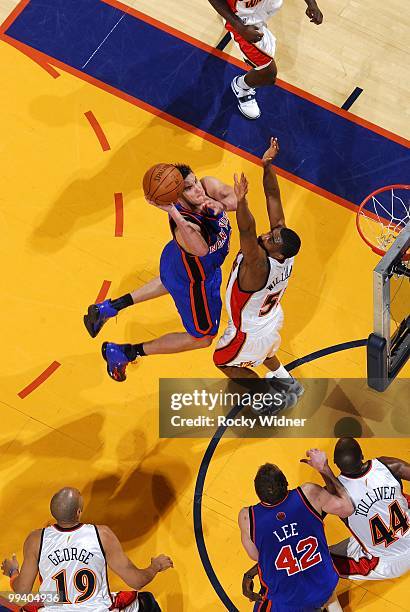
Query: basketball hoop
x=382 y=216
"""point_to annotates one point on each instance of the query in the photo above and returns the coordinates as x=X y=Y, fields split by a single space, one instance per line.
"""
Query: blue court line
x=352 y=98
x=206 y=460
x=322 y=147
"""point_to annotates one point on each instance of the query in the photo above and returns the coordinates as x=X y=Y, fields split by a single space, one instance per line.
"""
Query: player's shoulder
x=35 y=535
x=33 y=540
x=311 y=490
x=243 y=515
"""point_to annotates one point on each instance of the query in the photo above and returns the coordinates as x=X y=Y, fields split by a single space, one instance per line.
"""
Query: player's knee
x=203 y=342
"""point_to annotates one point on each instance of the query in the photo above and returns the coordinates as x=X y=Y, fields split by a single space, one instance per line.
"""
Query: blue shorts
x=198 y=301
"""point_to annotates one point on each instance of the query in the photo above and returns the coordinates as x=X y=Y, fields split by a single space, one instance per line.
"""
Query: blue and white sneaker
x=288 y=385
x=247 y=103
x=97 y=315
x=116 y=359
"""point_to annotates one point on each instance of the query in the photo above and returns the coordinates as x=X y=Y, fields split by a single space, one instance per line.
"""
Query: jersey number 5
x=270 y=302
x=386 y=534
x=286 y=560
x=84 y=581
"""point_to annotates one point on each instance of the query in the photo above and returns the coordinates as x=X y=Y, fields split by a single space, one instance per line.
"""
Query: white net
x=384 y=215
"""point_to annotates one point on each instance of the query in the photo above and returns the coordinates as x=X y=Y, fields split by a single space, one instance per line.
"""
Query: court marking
x=99 y=132
x=35 y=56
x=102 y=294
x=206 y=460
x=225 y=40
x=39 y=380
x=103 y=41
x=352 y=98
x=119 y=215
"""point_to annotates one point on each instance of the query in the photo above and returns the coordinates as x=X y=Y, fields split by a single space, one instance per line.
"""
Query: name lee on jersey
x=69 y=554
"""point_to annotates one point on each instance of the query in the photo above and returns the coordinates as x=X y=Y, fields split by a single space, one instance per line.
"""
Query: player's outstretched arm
x=220 y=192
x=22 y=580
x=254 y=257
x=118 y=561
x=271 y=186
x=335 y=500
x=398 y=467
x=249 y=546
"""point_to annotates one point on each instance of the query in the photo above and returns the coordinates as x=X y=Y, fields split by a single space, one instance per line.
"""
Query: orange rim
x=368 y=214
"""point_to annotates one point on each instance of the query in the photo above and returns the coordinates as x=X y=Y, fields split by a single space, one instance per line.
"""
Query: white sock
x=334 y=606
x=281 y=372
x=240 y=81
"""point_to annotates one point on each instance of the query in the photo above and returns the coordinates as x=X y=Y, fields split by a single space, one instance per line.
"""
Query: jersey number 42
x=286 y=560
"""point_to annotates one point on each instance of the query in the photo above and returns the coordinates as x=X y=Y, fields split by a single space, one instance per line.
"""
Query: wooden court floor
x=79 y=428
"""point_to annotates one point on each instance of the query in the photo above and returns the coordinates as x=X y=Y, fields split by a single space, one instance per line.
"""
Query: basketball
x=163 y=184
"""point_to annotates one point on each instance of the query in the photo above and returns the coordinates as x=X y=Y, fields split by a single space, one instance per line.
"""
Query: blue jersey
x=194 y=282
x=295 y=566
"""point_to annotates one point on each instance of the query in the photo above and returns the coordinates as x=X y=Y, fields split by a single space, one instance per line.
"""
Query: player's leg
x=333 y=605
x=98 y=314
x=277 y=372
x=118 y=356
x=260 y=57
x=351 y=561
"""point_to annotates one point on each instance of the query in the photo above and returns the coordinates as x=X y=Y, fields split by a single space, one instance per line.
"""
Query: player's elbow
x=201 y=250
x=346 y=509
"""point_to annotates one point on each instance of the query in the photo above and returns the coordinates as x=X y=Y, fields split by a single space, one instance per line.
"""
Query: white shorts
x=235 y=348
x=259 y=54
x=353 y=562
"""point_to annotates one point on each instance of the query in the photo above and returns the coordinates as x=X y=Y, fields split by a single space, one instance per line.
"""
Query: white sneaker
x=247 y=103
x=289 y=385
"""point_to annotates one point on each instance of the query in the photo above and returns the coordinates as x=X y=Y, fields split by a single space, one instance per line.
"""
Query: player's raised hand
x=166 y=207
x=272 y=152
x=211 y=205
x=240 y=186
x=161 y=563
x=314 y=13
x=317 y=459
x=10 y=565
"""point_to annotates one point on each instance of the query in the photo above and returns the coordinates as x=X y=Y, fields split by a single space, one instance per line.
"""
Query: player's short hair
x=65 y=504
x=348 y=455
x=184 y=170
x=291 y=242
x=271 y=485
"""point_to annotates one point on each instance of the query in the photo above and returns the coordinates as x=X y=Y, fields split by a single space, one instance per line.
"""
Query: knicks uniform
x=72 y=564
x=380 y=524
x=195 y=282
x=255 y=317
x=295 y=567
x=255 y=12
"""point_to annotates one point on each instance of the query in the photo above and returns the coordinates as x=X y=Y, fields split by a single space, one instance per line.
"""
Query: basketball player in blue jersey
x=190 y=270
x=284 y=533
x=71 y=559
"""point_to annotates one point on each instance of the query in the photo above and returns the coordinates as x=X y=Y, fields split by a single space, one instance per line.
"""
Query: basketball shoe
x=97 y=316
x=247 y=103
x=289 y=385
x=117 y=360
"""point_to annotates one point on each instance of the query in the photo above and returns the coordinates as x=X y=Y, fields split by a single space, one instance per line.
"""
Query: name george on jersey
x=379 y=494
x=69 y=554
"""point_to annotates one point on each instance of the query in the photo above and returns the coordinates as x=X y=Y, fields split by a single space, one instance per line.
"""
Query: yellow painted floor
x=80 y=428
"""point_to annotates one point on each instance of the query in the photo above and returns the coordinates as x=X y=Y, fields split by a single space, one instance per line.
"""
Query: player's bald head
x=65 y=505
x=348 y=455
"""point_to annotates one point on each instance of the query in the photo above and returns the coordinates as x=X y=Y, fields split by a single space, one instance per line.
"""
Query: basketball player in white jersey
x=259 y=277
x=71 y=559
x=379 y=548
x=246 y=20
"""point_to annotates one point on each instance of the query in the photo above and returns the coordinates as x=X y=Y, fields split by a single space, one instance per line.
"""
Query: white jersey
x=381 y=521
x=252 y=312
x=255 y=11
x=72 y=563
